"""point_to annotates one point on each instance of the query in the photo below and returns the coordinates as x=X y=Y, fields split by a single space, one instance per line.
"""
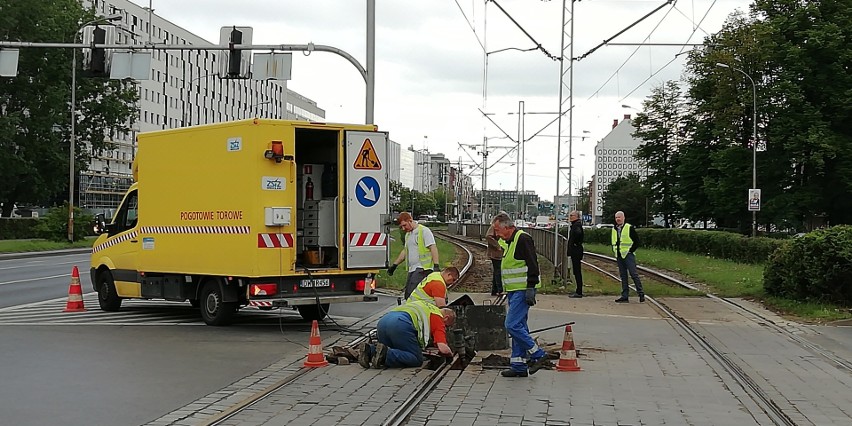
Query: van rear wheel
x=313 y=312
x=214 y=310
x=107 y=295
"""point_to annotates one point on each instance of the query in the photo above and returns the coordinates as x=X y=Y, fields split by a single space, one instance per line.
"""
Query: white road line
x=35 y=263
x=35 y=279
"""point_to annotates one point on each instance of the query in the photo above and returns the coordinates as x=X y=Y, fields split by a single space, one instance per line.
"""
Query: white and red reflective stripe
x=113 y=241
x=263 y=303
x=195 y=229
x=274 y=240
x=367 y=239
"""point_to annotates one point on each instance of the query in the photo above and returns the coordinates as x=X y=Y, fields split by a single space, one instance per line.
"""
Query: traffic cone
x=568 y=355
x=315 y=356
x=75 y=294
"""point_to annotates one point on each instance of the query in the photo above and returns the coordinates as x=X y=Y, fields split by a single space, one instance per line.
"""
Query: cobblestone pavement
x=637 y=369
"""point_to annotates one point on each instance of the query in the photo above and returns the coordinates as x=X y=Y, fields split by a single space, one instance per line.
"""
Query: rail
x=396 y=418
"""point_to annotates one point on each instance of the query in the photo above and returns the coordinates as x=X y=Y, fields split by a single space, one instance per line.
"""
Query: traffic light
x=235 y=55
x=97 y=65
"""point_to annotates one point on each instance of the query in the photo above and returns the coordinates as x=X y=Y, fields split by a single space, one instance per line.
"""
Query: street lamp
x=72 y=146
x=753 y=142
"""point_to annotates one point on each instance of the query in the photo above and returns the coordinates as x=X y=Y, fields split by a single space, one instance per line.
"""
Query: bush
x=18 y=228
x=54 y=226
x=816 y=266
x=720 y=245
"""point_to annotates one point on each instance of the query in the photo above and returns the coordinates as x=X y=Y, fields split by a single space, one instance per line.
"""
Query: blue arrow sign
x=368 y=191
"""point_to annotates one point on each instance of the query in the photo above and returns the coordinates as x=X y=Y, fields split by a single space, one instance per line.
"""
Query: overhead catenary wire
x=675 y=56
x=623 y=64
x=604 y=43
x=538 y=45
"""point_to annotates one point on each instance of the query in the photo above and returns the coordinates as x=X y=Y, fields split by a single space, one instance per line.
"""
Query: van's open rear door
x=367 y=194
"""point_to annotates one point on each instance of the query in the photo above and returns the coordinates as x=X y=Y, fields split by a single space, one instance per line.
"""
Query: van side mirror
x=100 y=225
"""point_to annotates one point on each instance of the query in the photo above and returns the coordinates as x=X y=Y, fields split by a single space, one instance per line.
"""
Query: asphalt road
x=40 y=278
x=83 y=369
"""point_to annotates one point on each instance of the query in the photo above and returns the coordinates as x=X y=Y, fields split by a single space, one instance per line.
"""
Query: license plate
x=315 y=282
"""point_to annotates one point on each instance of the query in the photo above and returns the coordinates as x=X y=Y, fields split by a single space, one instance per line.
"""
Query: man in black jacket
x=575 y=250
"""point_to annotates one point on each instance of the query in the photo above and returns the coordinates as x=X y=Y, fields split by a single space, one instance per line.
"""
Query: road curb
x=28 y=254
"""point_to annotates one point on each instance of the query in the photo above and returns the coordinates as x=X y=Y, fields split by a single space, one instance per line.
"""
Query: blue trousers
x=523 y=345
x=397 y=332
x=625 y=265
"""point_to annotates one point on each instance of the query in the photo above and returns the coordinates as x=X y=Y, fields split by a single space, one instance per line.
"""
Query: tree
x=34 y=106
x=584 y=203
x=662 y=128
x=628 y=195
x=440 y=196
x=798 y=55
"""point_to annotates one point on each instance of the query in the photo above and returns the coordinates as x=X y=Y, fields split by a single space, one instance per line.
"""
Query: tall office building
x=614 y=158
x=184 y=88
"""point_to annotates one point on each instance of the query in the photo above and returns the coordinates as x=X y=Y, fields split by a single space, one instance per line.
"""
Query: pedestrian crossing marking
x=139 y=313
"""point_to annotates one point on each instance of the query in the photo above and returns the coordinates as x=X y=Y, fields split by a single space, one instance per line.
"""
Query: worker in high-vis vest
x=419 y=250
x=624 y=244
x=433 y=288
x=520 y=274
x=404 y=333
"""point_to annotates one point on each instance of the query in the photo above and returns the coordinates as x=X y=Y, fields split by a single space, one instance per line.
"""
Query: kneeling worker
x=403 y=334
x=433 y=288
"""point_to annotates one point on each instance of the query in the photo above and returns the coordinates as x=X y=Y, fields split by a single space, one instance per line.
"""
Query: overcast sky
x=429 y=67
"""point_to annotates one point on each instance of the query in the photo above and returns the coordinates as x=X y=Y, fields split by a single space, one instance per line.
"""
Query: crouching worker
x=403 y=334
x=433 y=288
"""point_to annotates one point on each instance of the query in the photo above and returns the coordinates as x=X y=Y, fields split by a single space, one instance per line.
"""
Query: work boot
x=641 y=297
x=379 y=356
x=536 y=364
x=365 y=352
x=513 y=373
x=576 y=296
x=621 y=300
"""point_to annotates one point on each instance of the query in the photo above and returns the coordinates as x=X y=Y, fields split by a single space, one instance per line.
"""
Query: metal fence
x=543 y=245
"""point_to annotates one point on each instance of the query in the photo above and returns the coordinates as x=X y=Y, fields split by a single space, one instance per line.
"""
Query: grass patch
x=21 y=246
x=727 y=279
x=446 y=252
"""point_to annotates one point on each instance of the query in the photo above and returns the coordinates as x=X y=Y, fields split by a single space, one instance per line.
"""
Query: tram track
x=773 y=411
x=398 y=416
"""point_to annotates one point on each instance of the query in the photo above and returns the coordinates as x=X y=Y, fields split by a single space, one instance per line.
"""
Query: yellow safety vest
x=420 y=294
x=626 y=242
x=423 y=251
x=514 y=271
x=419 y=312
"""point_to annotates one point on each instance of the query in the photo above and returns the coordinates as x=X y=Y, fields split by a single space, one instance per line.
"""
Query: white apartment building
x=184 y=89
x=614 y=158
x=414 y=171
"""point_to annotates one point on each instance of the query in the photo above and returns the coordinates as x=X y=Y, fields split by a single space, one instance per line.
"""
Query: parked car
x=605 y=225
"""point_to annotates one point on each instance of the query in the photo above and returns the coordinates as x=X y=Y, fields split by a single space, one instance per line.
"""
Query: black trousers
x=576 y=257
x=496 y=277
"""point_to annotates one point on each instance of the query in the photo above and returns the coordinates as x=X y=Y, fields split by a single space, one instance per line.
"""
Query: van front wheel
x=214 y=310
x=107 y=296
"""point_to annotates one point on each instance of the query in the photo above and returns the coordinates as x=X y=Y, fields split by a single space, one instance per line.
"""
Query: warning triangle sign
x=367 y=158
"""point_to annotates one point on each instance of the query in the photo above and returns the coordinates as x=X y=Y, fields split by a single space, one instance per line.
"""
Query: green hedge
x=720 y=245
x=18 y=228
x=815 y=266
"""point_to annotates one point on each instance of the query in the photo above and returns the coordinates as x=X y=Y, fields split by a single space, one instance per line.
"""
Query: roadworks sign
x=367 y=158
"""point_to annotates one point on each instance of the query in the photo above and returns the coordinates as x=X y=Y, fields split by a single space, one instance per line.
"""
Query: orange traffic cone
x=75 y=294
x=315 y=356
x=568 y=355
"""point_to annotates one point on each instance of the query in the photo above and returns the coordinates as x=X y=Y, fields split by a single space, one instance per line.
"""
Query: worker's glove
x=391 y=269
x=530 y=297
x=436 y=268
